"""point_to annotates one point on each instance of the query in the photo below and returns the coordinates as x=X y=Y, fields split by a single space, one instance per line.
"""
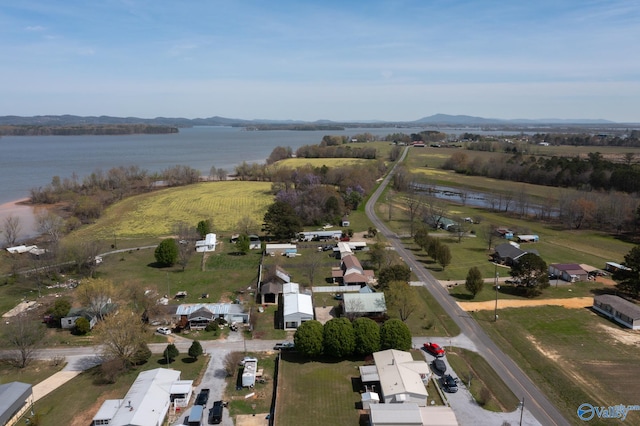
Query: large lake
x=31 y=161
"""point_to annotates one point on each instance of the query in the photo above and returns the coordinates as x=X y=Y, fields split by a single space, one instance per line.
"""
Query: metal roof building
x=15 y=399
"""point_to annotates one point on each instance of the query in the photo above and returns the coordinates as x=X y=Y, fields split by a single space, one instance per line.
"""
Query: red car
x=434 y=349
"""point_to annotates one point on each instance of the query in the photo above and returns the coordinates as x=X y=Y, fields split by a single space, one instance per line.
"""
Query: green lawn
x=324 y=389
x=34 y=373
x=573 y=355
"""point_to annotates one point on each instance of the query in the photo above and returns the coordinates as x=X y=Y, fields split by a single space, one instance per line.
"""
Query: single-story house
x=570 y=272
x=319 y=235
x=613 y=267
x=15 y=399
x=296 y=309
x=402 y=379
x=618 y=309
x=74 y=314
x=146 y=403
x=410 y=414
x=281 y=249
x=351 y=272
x=364 y=304
x=208 y=244
x=507 y=253
x=196 y=316
x=345 y=223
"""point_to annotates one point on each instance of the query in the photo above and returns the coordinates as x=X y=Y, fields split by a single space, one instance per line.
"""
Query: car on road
x=215 y=414
x=449 y=383
x=434 y=349
x=203 y=397
x=439 y=366
x=163 y=330
x=284 y=346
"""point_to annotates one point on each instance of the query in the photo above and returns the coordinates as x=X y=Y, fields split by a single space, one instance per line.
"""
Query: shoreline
x=26 y=213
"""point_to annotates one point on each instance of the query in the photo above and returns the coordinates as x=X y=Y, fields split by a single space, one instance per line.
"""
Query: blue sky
x=309 y=60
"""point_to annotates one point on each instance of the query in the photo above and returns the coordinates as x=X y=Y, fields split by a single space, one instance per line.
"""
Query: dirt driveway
x=572 y=303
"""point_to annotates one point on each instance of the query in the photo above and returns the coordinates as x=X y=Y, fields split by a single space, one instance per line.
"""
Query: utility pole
x=495 y=312
x=521 y=410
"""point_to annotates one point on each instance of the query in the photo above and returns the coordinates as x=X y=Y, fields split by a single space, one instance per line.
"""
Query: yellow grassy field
x=155 y=214
x=319 y=162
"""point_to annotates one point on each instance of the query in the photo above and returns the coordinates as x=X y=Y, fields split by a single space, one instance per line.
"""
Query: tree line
x=88 y=129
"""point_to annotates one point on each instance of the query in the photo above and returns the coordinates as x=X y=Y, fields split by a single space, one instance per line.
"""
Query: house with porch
x=351 y=272
x=196 y=316
x=618 y=309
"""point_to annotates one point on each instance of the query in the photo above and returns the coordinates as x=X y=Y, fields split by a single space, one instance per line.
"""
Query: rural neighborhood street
x=519 y=383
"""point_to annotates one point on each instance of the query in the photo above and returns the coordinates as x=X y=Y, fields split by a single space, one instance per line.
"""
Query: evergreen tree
x=195 y=350
x=308 y=338
x=367 y=335
x=170 y=353
x=474 y=281
x=338 y=338
x=394 y=334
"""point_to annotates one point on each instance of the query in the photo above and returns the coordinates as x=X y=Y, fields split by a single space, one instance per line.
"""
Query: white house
x=208 y=244
x=146 y=403
x=410 y=414
x=281 y=249
x=618 y=309
x=402 y=379
x=196 y=316
x=297 y=308
x=364 y=304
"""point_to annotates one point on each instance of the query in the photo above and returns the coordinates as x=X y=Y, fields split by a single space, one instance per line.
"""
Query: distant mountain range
x=433 y=120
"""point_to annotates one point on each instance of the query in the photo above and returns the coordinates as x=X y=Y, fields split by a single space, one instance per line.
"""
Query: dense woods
x=94 y=129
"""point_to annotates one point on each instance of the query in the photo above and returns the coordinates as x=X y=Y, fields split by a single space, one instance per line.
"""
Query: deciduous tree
x=532 y=273
x=24 y=336
x=398 y=272
x=119 y=336
x=401 y=299
x=281 y=221
x=94 y=294
x=167 y=252
x=11 y=229
x=443 y=256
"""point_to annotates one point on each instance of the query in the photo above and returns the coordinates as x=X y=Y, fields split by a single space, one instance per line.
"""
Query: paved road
x=519 y=383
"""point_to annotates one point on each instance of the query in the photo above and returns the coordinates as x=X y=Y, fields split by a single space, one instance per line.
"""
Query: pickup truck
x=215 y=414
x=202 y=397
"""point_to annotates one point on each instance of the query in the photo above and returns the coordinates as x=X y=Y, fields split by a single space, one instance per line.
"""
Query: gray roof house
x=196 y=316
x=364 y=304
x=15 y=399
x=146 y=403
x=401 y=378
x=618 y=309
x=509 y=254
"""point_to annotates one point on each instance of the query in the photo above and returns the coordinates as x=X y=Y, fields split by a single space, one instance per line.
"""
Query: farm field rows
x=155 y=214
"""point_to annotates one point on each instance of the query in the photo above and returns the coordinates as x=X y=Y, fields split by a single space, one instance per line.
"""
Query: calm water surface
x=31 y=161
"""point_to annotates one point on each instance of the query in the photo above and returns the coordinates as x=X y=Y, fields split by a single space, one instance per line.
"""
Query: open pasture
x=155 y=214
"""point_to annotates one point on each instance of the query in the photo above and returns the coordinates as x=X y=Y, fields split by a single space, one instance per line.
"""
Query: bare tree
x=413 y=205
x=231 y=362
x=186 y=234
x=119 y=336
x=222 y=174
x=312 y=266
x=24 y=336
x=246 y=225
x=11 y=228
x=401 y=299
x=50 y=224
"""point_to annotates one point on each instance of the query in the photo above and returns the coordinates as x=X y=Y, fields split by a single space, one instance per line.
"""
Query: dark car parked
x=439 y=366
x=202 y=397
x=449 y=383
x=215 y=414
